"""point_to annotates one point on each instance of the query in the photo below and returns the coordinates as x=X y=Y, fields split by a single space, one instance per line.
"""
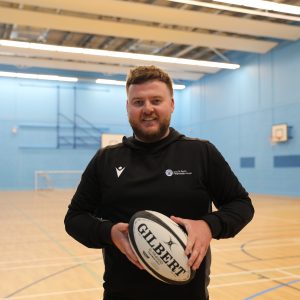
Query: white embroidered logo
x=120 y=170
x=170 y=172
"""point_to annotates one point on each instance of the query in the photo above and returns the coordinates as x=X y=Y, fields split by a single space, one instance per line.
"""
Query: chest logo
x=170 y=172
x=120 y=170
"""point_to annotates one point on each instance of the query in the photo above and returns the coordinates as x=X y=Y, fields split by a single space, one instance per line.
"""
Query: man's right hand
x=119 y=236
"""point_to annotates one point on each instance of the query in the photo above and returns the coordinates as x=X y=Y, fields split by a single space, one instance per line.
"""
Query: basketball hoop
x=279 y=133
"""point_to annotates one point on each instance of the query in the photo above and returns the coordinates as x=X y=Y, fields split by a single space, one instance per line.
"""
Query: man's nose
x=148 y=108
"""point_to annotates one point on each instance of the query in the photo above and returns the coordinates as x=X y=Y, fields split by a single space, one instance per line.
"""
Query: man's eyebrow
x=137 y=98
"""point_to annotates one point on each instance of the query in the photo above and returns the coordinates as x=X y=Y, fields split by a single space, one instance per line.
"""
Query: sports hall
x=236 y=70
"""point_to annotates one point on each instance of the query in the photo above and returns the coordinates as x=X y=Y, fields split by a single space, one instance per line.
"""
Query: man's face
x=149 y=109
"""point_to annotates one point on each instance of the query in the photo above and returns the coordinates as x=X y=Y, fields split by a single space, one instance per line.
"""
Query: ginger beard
x=150 y=128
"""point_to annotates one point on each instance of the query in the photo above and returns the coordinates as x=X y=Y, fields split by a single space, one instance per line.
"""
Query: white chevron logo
x=119 y=170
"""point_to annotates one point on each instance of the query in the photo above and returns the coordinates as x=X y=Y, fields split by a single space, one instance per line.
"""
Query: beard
x=150 y=135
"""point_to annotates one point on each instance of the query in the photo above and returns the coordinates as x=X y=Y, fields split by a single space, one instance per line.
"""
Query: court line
x=256 y=271
x=272 y=288
x=251 y=281
x=49 y=258
x=282 y=220
x=257 y=246
x=289 y=273
x=52 y=294
x=49 y=265
x=212 y=286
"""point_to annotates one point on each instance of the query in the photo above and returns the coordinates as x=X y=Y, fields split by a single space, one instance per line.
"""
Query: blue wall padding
x=247 y=162
x=287 y=161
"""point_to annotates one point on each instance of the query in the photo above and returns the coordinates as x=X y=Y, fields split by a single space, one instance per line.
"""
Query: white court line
x=98 y=289
x=265 y=241
x=259 y=240
x=49 y=258
x=282 y=220
x=250 y=281
x=52 y=294
x=290 y=274
x=273 y=245
x=50 y=265
x=256 y=271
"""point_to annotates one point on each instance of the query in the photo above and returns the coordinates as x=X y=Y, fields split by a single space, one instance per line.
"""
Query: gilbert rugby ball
x=159 y=245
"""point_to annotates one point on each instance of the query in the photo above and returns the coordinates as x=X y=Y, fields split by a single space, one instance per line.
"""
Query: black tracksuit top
x=177 y=176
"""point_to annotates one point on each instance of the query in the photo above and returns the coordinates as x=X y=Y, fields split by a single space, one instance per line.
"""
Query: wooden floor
x=40 y=261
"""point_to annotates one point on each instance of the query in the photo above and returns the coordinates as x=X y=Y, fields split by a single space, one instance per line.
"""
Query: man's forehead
x=153 y=87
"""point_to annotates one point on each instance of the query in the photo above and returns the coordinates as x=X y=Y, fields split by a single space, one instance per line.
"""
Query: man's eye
x=138 y=103
x=156 y=101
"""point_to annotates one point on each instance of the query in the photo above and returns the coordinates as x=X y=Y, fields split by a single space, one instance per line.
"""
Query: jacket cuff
x=214 y=224
x=105 y=232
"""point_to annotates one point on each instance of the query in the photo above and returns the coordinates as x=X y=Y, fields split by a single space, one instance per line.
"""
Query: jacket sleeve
x=80 y=221
x=234 y=207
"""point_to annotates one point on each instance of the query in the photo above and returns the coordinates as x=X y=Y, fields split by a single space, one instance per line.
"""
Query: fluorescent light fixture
x=111 y=82
x=265 y=5
x=116 y=54
x=37 y=76
x=120 y=82
x=178 y=86
x=238 y=9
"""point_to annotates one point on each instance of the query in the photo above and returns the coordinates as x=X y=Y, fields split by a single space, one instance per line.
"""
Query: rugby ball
x=159 y=245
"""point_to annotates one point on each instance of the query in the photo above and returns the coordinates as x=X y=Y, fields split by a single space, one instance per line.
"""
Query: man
x=157 y=169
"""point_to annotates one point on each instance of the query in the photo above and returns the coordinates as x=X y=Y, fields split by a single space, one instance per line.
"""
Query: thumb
x=123 y=227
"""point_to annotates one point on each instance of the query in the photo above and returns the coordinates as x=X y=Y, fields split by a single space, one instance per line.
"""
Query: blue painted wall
x=236 y=109
x=28 y=119
x=233 y=109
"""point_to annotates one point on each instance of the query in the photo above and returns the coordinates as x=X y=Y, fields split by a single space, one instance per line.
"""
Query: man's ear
x=172 y=104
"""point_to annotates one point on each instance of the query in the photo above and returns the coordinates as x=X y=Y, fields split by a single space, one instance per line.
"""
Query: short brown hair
x=143 y=74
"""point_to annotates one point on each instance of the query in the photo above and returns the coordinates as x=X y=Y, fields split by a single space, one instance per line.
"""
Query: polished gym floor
x=38 y=260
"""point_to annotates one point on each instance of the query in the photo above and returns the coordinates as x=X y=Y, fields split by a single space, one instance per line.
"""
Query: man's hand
x=199 y=237
x=119 y=236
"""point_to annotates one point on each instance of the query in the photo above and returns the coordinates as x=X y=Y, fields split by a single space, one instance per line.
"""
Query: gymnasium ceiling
x=156 y=27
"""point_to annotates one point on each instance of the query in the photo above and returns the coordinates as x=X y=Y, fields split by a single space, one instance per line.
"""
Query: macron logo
x=119 y=170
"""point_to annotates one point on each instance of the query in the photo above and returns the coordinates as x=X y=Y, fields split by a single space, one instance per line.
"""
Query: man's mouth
x=149 y=118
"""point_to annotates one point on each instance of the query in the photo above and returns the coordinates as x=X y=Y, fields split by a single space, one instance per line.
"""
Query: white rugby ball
x=159 y=245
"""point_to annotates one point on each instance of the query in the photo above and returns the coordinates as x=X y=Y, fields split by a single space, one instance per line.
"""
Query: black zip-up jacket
x=176 y=176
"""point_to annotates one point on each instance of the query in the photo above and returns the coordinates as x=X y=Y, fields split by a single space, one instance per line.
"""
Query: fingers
x=119 y=235
x=198 y=240
x=191 y=238
x=131 y=255
x=196 y=257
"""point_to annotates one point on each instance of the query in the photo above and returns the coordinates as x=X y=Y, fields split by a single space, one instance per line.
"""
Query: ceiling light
x=178 y=86
x=116 y=54
x=265 y=5
x=238 y=9
x=37 y=76
x=120 y=82
x=111 y=82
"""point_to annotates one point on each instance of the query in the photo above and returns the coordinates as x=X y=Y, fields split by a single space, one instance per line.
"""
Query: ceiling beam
x=172 y=16
x=142 y=32
x=27 y=62
x=79 y=57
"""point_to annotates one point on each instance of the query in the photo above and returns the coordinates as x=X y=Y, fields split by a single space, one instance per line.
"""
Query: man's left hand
x=199 y=237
